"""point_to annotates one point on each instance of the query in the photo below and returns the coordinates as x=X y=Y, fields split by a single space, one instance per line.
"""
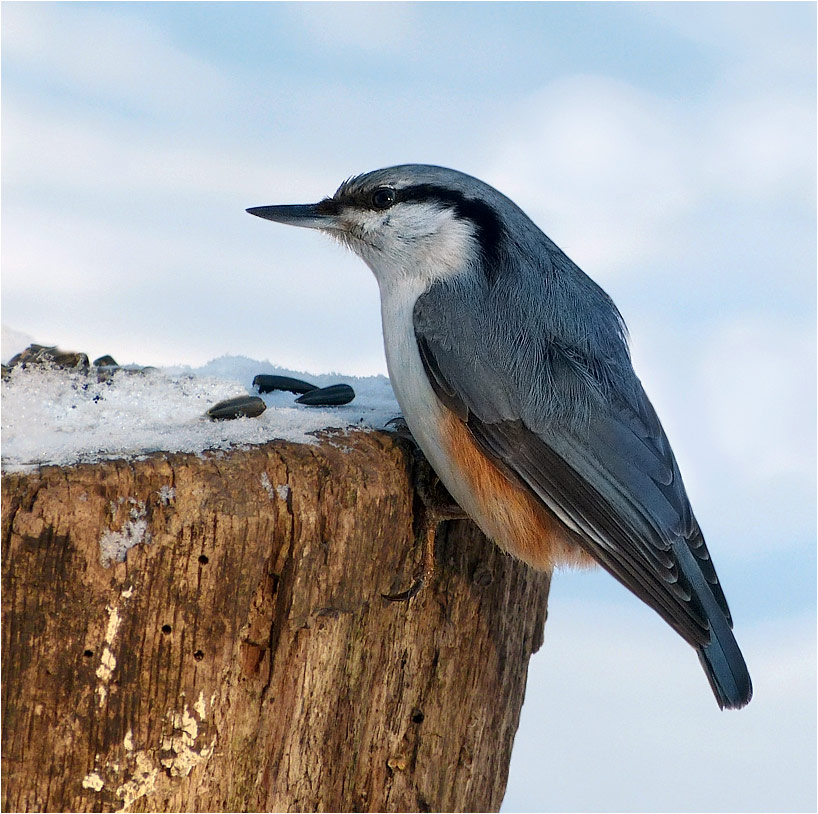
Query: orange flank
x=508 y=512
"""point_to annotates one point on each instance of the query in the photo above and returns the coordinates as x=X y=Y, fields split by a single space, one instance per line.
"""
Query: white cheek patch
x=440 y=238
x=360 y=230
x=415 y=240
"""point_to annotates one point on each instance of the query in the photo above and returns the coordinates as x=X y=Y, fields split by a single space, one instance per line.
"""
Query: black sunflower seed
x=239 y=407
x=333 y=396
x=267 y=384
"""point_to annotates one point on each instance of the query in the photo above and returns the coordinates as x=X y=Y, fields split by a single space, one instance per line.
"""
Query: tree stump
x=207 y=633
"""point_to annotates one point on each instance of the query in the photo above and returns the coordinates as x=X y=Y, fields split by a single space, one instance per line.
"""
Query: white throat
x=409 y=247
x=412 y=242
x=419 y=404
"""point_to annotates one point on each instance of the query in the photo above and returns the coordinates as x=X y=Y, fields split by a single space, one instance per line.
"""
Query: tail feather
x=721 y=657
x=725 y=668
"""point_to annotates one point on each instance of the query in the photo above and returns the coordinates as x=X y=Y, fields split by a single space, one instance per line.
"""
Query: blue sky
x=668 y=148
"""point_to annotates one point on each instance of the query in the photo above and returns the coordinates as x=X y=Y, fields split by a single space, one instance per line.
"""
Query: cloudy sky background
x=668 y=148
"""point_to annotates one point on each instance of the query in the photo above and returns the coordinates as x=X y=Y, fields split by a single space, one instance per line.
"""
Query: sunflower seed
x=333 y=396
x=242 y=406
x=267 y=384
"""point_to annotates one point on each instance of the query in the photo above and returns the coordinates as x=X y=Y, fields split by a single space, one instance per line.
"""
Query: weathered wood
x=241 y=657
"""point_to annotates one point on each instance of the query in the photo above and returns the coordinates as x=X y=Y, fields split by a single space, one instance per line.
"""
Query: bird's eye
x=383 y=198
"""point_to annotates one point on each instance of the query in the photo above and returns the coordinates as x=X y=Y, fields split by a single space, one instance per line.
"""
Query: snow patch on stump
x=63 y=417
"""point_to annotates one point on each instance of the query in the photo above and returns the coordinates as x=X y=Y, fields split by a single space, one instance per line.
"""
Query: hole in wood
x=198 y=655
x=203 y=559
x=87 y=653
x=417 y=716
x=166 y=629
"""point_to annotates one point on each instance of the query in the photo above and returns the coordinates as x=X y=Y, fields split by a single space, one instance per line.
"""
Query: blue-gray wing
x=581 y=434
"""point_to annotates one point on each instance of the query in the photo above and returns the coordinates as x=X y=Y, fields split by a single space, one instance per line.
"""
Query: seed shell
x=239 y=407
x=267 y=384
x=333 y=396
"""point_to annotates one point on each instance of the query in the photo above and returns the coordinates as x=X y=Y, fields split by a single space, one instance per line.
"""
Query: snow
x=63 y=417
x=282 y=491
x=114 y=545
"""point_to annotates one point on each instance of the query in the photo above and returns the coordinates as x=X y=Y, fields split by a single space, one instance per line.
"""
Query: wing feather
x=608 y=473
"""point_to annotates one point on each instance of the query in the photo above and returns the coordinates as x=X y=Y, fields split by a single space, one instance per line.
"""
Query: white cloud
x=109 y=239
x=616 y=175
x=42 y=147
x=763 y=147
x=602 y=164
x=117 y=57
x=166 y=291
x=758 y=381
x=619 y=717
x=379 y=28
x=761 y=45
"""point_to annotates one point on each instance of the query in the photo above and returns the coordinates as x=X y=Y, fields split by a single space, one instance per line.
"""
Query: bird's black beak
x=311 y=216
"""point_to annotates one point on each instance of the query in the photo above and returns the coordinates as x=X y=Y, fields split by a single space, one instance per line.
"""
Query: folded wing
x=605 y=469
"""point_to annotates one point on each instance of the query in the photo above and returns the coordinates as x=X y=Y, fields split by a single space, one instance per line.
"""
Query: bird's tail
x=725 y=667
x=721 y=657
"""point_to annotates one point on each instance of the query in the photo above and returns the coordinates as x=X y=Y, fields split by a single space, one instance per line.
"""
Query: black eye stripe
x=488 y=226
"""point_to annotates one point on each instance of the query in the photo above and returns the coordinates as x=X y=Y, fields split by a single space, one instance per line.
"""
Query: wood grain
x=241 y=657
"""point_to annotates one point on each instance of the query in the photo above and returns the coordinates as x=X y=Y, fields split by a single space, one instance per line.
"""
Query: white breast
x=422 y=244
x=421 y=408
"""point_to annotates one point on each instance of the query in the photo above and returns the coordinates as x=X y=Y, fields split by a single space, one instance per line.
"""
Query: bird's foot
x=428 y=570
x=434 y=506
x=398 y=426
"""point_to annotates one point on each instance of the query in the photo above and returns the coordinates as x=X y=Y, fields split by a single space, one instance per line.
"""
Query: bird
x=513 y=372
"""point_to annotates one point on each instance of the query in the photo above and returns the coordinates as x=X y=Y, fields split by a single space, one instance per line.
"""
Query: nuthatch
x=513 y=373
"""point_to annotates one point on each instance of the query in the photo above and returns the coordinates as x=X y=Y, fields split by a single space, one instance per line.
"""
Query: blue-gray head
x=413 y=221
x=417 y=225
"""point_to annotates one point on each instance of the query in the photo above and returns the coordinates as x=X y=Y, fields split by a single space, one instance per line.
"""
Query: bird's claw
x=429 y=528
x=412 y=591
x=435 y=505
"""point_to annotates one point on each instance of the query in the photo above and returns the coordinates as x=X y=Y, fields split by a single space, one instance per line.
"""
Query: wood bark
x=241 y=657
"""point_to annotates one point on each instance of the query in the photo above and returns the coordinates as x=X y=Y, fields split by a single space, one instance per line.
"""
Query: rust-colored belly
x=507 y=512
